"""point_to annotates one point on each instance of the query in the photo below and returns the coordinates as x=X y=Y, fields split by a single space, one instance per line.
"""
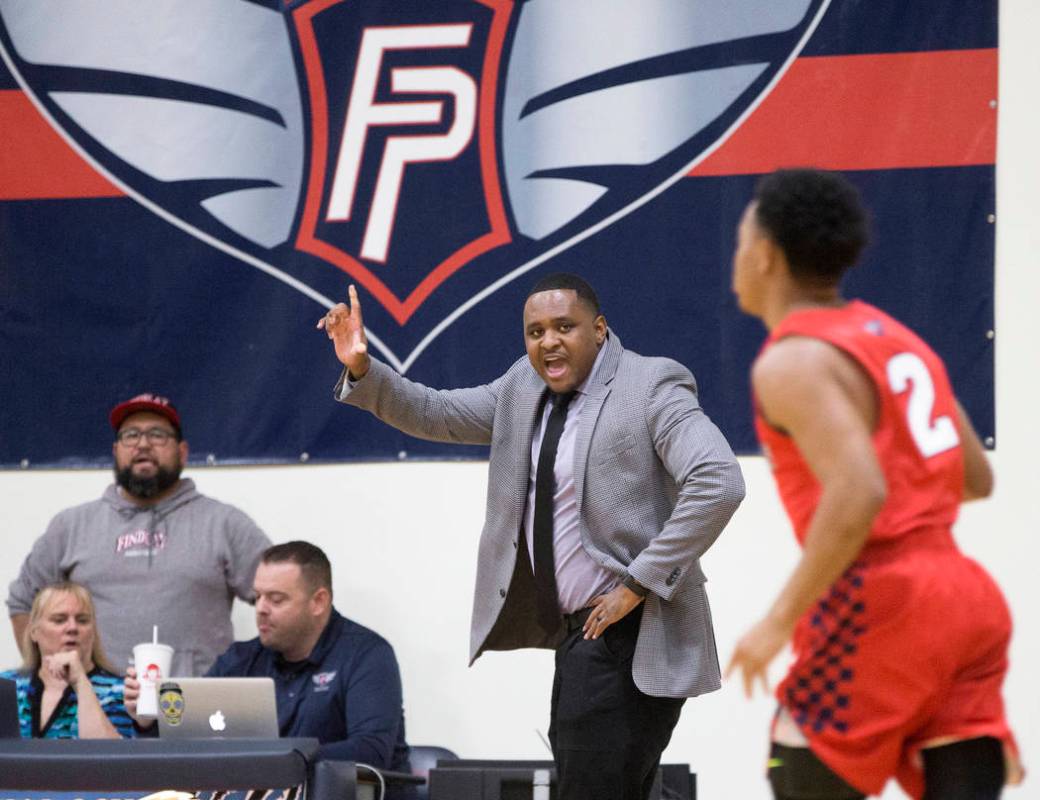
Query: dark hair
x=566 y=280
x=313 y=563
x=816 y=218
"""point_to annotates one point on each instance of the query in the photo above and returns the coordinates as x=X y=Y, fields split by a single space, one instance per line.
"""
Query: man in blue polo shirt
x=335 y=680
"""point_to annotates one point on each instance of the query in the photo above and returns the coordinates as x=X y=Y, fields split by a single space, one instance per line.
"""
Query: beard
x=147 y=488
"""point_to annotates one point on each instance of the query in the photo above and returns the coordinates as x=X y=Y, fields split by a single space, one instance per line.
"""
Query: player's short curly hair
x=816 y=218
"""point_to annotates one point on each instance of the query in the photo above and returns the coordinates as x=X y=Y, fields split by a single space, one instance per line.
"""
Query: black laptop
x=9 y=728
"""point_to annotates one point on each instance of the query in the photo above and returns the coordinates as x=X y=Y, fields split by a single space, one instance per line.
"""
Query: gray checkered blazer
x=656 y=483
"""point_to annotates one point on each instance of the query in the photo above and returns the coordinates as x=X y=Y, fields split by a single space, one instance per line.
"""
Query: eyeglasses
x=131 y=437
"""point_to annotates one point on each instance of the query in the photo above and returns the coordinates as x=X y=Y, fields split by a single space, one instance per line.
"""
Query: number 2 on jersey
x=907 y=370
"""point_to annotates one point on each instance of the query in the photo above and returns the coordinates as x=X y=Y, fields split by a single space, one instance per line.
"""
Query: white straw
x=155 y=634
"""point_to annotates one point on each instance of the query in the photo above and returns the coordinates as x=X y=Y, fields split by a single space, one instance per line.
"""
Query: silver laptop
x=225 y=708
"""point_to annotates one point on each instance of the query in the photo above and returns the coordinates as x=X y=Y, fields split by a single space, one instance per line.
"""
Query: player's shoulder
x=795 y=357
x=795 y=376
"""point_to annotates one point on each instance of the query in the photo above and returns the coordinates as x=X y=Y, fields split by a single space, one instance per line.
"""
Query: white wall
x=402 y=537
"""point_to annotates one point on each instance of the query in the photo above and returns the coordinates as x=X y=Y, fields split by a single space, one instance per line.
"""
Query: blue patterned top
x=64 y=723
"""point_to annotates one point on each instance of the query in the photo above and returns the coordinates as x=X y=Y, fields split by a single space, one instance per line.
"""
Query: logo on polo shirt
x=323 y=681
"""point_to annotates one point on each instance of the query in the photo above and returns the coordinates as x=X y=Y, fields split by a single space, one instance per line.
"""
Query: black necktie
x=544 y=490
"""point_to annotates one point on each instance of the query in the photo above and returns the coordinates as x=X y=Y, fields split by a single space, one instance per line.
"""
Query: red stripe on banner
x=35 y=162
x=930 y=109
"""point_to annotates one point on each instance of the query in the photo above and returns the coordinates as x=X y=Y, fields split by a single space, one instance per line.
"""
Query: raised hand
x=64 y=666
x=346 y=329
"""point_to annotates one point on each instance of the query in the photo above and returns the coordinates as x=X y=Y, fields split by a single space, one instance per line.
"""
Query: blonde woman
x=66 y=688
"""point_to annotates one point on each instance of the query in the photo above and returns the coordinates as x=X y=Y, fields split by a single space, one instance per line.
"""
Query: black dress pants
x=607 y=736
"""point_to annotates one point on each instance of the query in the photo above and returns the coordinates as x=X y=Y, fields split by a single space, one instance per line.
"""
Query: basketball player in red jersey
x=900 y=641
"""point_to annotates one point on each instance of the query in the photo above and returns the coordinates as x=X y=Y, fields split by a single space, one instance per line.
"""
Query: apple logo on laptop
x=216 y=720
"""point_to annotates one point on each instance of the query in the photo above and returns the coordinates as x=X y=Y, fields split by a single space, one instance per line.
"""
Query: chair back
x=423 y=758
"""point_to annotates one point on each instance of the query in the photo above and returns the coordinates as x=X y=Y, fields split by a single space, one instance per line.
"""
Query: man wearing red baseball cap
x=152 y=550
x=146 y=468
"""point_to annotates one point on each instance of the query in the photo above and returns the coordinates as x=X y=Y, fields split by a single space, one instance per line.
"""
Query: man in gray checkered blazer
x=595 y=523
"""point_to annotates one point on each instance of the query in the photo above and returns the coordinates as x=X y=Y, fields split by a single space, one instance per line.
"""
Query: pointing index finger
x=355 y=305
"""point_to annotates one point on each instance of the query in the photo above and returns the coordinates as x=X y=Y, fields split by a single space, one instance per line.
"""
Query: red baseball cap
x=145 y=402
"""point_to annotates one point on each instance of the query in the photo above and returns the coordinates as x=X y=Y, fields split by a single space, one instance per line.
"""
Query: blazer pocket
x=618 y=448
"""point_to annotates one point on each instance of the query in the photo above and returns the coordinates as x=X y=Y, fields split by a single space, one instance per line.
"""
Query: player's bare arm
x=824 y=401
x=345 y=327
x=978 y=477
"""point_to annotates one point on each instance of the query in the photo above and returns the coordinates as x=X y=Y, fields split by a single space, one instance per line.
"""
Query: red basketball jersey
x=916 y=439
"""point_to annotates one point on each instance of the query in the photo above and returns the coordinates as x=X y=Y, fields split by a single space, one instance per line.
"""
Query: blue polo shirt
x=346 y=694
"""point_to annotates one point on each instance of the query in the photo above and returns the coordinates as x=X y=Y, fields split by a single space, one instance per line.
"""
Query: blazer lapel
x=528 y=408
x=595 y=395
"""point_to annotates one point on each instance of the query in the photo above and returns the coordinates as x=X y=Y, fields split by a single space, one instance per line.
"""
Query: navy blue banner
x=180 y=200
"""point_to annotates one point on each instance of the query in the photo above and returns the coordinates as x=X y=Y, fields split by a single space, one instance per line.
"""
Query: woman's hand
x=131 y=691
x=65 y=666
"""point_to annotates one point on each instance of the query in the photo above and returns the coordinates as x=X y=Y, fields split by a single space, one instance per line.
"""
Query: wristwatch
x=635 y=586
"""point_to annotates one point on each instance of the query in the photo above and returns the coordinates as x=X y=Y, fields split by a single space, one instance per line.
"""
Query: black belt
x=576 y=620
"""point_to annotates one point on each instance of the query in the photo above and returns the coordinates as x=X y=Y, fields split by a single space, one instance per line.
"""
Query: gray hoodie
x=178 y=564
